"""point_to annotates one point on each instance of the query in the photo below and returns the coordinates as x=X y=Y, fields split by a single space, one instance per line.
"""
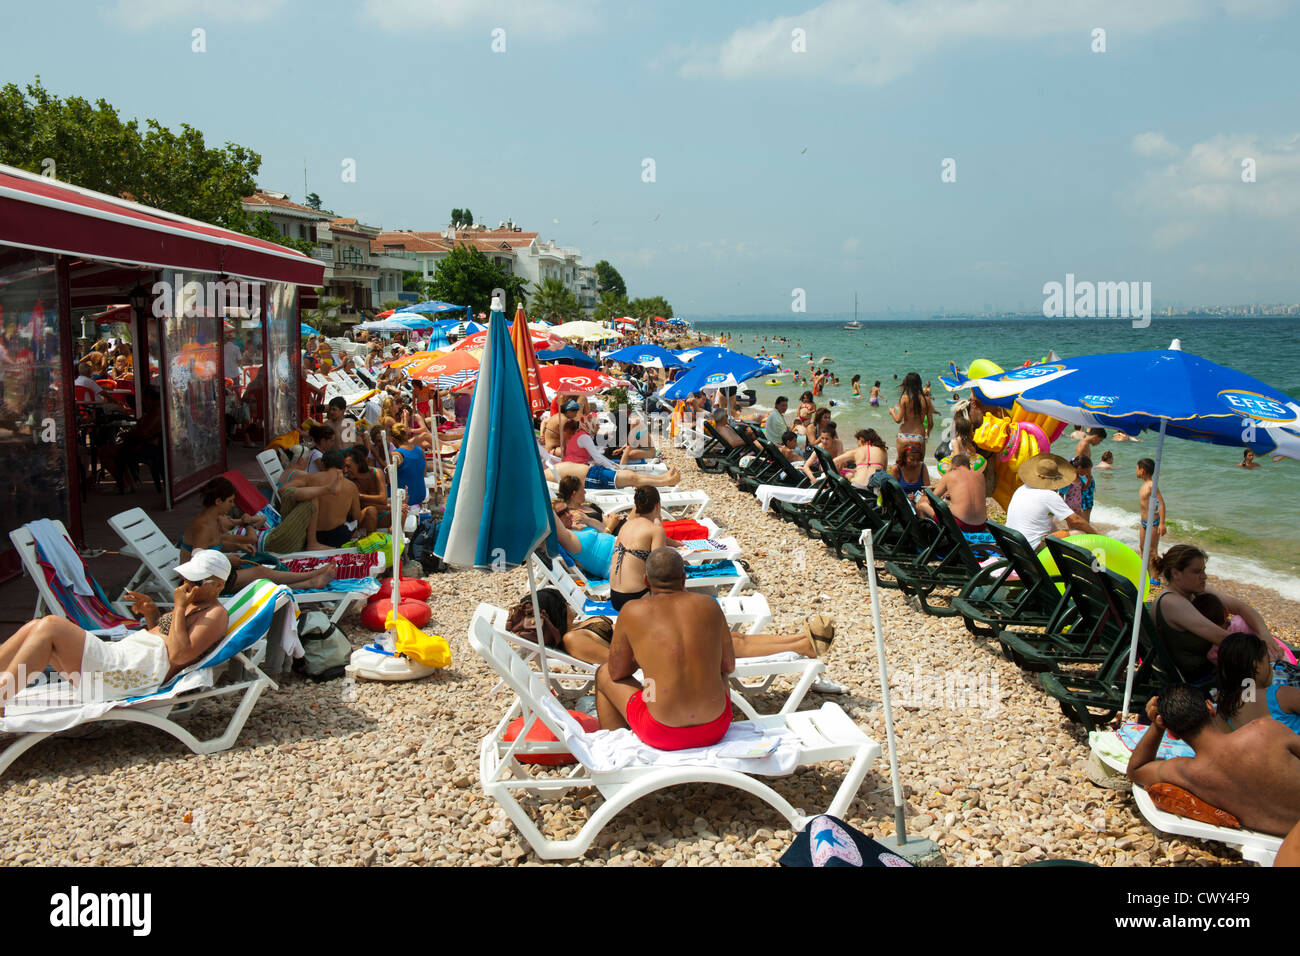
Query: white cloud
x=546 y=18
x=872 y=42
x=140 y=14
x=1153 y=144
x=1202 y=186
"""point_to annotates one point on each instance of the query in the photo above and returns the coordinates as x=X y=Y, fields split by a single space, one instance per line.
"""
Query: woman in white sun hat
x=141 y=661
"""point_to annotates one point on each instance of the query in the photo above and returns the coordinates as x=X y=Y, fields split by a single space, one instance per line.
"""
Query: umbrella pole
x=537 y=616
x=1147 y=546
x=395 y=518
x=899 y=843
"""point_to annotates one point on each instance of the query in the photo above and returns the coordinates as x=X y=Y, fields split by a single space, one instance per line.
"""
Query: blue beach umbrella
x=722 y=372
x=431 y=307
x=1170 y=391
x=306 y=330
x=705 y=353
x=498 y=509
x=647 y=356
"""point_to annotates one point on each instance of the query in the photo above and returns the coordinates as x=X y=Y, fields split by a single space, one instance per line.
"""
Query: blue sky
x=775 y=170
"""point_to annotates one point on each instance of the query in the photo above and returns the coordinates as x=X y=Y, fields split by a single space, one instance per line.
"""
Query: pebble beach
x=387 y=774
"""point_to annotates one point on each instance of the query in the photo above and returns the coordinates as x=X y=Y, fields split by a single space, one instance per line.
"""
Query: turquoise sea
x=1245 y=520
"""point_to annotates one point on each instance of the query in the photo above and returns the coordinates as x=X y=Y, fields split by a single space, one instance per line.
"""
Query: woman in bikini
x=910 y=413
x=640 y=534
x=869 y=457
x=803 y=415
x=875 y=395
x=910 y=470
x=213 y=529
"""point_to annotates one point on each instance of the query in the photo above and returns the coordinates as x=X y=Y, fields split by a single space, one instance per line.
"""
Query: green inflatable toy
x=1111 y=555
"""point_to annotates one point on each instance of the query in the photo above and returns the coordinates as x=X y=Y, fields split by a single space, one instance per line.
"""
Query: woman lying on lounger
x=141 y=661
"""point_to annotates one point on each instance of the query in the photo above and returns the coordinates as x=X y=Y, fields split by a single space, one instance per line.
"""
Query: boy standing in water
x=1159 y=521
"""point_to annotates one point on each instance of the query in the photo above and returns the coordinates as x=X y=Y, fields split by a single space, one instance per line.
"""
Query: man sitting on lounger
x=596 y=475
x=1252 y=773
x=963 y=489
x=1036 y=502
x=681 y=642
x=141 y=661
x=339 y=506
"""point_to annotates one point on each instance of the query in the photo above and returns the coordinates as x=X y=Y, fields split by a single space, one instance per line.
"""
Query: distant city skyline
x=739 y=158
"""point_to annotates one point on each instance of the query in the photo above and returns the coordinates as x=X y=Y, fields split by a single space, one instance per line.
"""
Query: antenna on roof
x=304 y=181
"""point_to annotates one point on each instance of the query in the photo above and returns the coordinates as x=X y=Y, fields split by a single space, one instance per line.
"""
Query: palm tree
x=550 y=300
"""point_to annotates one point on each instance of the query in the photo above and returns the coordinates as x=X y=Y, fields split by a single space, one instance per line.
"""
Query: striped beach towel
x=90 y=612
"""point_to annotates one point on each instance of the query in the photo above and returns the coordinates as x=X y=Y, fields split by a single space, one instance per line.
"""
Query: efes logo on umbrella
x=1260 y=407
x=1034 y=371
x=1097 y=401
x=716 y=378
x=646 y=358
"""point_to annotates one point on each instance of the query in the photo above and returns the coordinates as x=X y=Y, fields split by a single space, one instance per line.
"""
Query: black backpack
x=419 y=547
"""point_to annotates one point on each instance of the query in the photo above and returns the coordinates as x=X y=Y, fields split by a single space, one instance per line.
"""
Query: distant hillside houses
x=365 y=265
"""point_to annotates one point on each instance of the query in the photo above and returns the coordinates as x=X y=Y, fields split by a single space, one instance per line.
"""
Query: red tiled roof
x=263 y=199
x=410 y=241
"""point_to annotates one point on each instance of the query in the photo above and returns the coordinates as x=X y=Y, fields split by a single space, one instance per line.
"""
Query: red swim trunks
x=662 y=737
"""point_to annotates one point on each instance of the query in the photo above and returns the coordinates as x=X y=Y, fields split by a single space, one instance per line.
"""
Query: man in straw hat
x=1036 y=501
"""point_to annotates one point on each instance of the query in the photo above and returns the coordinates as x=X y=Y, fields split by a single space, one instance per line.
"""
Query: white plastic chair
x=803 y=738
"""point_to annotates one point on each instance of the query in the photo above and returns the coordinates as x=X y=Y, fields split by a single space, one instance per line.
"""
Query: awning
x=51 y=216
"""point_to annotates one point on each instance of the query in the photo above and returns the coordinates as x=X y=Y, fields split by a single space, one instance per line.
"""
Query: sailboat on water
x=855 y=324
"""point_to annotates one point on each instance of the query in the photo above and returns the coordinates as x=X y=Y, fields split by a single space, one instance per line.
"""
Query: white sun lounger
x=260 y=611
x=1257 y=847
x=158 y=558
x=273 y=470
x=679 y=504
x=623 y=770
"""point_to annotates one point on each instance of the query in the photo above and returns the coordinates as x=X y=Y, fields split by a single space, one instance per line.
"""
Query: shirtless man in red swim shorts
x=681 y=642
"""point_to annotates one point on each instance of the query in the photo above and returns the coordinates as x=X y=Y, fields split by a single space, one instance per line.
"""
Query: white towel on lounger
x=766 y=494
x=609 y=750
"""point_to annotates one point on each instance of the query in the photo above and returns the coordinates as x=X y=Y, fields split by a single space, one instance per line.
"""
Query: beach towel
x=1131 y=733
x=91 y=612
x=712 y=569
x=350 y=566
x=61 y=555
x=766 y=494
x=829 y=841
x=609 y=750
x=688 y=530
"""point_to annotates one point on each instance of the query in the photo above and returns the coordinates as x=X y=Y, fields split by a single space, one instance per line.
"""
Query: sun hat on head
x=1046 y=471
x=203 y=564
x=297 y=454
x=570 y=406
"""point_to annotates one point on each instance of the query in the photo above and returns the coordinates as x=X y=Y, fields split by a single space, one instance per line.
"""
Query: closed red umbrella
x=526 y=355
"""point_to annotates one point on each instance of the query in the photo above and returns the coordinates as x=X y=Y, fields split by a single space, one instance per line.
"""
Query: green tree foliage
x=91 y=146
x=313 y=201
x=467 y=277
x=461 y=218
x=611 y=306
x=608 y=280
x=642 y=309
x=552 y=301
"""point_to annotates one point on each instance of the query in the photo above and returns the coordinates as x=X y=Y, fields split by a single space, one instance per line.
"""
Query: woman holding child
x=1189 y=634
